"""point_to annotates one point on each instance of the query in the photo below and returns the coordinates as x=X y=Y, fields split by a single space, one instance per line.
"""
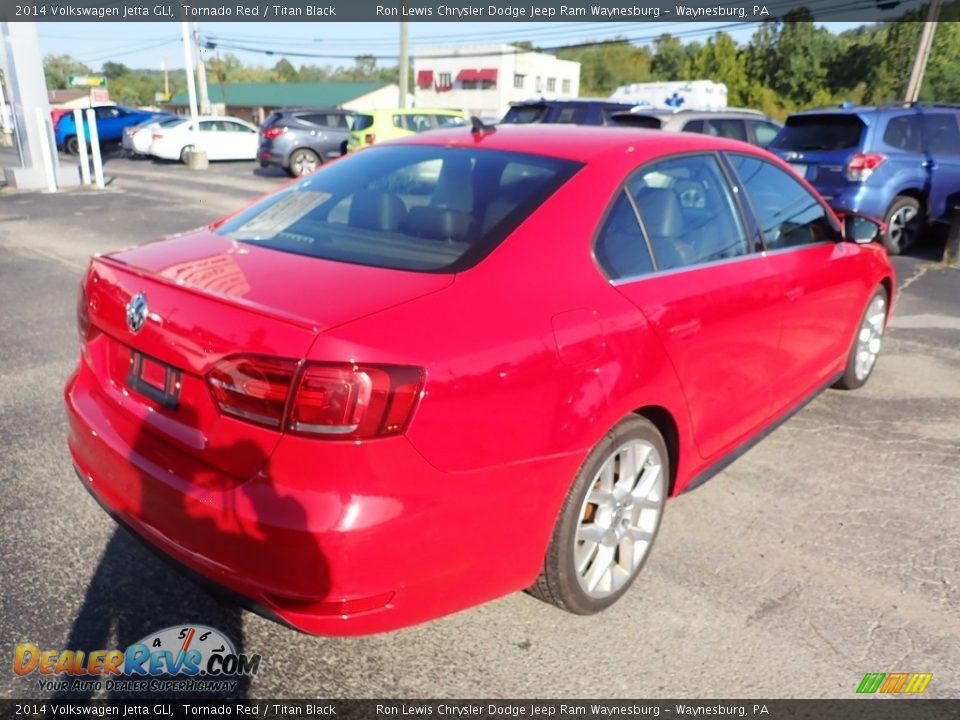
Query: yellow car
x=380 y=125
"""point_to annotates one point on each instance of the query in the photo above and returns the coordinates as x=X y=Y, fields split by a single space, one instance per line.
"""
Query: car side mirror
x=861 y=229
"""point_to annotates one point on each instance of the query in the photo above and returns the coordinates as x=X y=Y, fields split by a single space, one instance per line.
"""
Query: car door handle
x=928 y=164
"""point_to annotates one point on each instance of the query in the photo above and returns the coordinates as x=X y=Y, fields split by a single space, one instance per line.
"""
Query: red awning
x=425 y=78
x=468 y=75
x=487 y=74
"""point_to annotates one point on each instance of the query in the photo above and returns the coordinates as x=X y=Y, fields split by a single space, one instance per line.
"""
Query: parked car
x=736 y=123
x=382 y=125
x=137 y=139
x=222 y=138
x=574 y=111
x=898 y=163
x=414 y=380
x=111 y=122
x=300 y=141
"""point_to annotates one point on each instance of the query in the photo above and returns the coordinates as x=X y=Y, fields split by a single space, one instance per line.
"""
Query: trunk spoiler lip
x=264 y=310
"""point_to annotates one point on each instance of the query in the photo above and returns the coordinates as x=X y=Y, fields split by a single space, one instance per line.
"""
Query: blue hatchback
x=901 y=164
x=111 y=121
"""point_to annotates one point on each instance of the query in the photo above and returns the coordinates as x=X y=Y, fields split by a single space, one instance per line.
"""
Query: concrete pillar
x=27 y=90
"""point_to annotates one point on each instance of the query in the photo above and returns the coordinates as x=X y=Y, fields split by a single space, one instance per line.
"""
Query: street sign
x=96 y=81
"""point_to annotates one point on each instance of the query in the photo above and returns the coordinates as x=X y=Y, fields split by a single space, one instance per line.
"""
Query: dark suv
x=578 y=111
x=901 y=164
x=301 y=140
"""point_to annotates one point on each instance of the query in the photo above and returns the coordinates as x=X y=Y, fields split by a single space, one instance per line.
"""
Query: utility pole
x=923 y=52
x=404 y=60
x=166 y=79
x=197 y=157
x=201 y=73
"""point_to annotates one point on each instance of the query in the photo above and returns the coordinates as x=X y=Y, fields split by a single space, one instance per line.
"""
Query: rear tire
x=303 y=162
x=904 y=221
x=608 y=521
x=185 y=154
x=866 y=344
x=72 y=145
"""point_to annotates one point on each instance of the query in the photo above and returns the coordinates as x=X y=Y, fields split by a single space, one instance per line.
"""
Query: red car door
x=823 y=290
x=713 y=301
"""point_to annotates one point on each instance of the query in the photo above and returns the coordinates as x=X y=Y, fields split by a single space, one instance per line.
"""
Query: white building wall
x=385 y=98
x=513 y=68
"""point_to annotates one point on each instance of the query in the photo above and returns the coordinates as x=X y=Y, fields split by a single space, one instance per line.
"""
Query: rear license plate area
x=154 y=380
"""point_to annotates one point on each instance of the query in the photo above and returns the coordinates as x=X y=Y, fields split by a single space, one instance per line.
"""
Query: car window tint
x=449 y=120
x=209 y=126
x=820 y=132
x=904 y=133
x=726 y=127
x=406 y=207
x=621 y=249
x=941 y=134
x=688 y=211
x=695 y=126
x=522 y=114
x=764 y=132
x=573 y=114
x=789 y=215
x=418 y=123
x=105 y=113
x=362 y=122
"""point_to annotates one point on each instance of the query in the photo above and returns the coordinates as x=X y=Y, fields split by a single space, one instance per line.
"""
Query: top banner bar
x=715 y=11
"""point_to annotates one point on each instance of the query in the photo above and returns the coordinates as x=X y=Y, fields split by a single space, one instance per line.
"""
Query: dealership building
x=484 y=79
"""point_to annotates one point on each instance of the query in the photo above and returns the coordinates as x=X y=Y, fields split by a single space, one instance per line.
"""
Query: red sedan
x=463 y=364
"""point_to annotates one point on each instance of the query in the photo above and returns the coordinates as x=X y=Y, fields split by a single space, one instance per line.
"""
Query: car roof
x=868 y=109
x=569 y=101
x=583 y=143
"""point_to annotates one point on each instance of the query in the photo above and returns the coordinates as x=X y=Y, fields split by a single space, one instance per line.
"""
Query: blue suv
x=901 y=164
x=111 y=121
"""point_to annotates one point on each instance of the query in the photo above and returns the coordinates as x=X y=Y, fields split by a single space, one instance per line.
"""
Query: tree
x=57 y=68
x=114 y=70
x=284 y=71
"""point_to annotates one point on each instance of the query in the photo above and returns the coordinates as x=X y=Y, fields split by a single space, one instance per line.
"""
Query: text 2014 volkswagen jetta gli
x=463 y=364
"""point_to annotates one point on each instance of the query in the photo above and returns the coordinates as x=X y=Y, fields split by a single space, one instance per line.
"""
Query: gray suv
x=301 y=140
x=750 y=126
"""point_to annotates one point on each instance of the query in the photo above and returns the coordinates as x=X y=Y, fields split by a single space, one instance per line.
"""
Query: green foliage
x=57 y=68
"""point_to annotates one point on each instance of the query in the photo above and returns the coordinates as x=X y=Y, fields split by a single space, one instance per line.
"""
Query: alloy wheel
x=899 y=229
x=869 y=337
x=618 y=518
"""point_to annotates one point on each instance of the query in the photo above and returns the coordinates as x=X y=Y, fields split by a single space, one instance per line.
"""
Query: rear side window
x=424 y=208
x=571 y=114
x=904 y=133
x=621 y=248
x=726 y=128
x=362 y=122
x=764 y=132
x=522 y=114
x=688 y=212
x=333 y=120
x=694 y=126
x=272 y=118
x=449 y=120
x=788 y=214
x=820 y=132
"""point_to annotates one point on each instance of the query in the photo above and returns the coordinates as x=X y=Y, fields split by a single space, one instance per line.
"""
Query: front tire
x=904 y=221
x=866 y=345
x=185 y=154
x=608 y=521
x=72 y=145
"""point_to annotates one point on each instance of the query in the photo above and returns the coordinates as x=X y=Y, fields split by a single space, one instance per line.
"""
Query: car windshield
x=820 y=132
x=416 y=207
x=171 y=122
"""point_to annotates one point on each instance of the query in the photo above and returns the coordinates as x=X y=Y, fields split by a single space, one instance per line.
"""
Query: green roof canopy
x=306 y=94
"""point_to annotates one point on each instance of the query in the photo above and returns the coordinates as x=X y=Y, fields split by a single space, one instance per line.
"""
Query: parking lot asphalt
x=828 y=551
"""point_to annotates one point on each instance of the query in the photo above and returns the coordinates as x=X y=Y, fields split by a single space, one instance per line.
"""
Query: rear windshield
x=424 y=208
x=362 y=122
x=271 y=119
x=820 y=132
x=651 y=122
x=523 y=114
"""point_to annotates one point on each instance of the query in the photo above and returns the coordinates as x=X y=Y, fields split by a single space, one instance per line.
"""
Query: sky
x=151 y=45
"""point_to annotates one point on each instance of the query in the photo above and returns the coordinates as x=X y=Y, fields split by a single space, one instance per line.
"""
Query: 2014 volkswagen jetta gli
x=463 y=364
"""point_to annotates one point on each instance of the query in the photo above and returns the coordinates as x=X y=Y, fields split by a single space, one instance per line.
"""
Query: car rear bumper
x=345 y=539
x=857 y=198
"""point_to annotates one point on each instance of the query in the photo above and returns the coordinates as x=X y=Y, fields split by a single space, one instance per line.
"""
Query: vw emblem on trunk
x=137 y=312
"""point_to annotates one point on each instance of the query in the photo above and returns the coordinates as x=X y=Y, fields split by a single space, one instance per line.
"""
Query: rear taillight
x=83 y=315
x=339 y=400
x=158 y=136
x=369 y=138
x=271 y=133
x=253 y=388
x=862 y=165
